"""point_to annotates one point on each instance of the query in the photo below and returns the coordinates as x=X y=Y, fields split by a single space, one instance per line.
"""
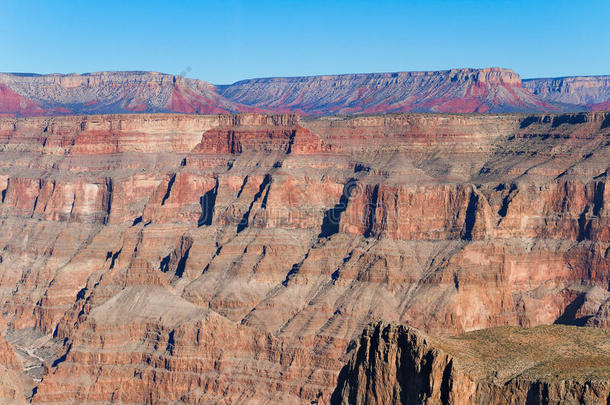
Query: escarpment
x=589 y=91
x=455 y=90
x=505 y=365
x=467 y=90
x=199 y=258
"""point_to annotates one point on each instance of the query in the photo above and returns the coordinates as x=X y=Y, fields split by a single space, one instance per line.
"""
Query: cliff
x=171 y=257
x=109 y=92
x=457 y=90
x=488 y=90
x=11 y=386
x=547 y=364
x=589 y=91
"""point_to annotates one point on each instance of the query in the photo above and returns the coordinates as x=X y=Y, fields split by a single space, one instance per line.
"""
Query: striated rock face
x=593 y=92
x=456 y=90
x=147 y=345
x=109 y=92
x=506 y=365
x=11 y=386
x=164 y=258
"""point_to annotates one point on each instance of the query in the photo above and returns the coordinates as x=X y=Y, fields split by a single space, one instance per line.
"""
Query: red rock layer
x=275 y=239
x=12 y=104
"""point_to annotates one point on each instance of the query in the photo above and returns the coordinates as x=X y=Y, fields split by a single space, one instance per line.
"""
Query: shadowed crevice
x=372 y=210
x=170 y=184
x=471 y=216
x=598 y=198
x=245 y=220
x=332 y=217
x=208 y=202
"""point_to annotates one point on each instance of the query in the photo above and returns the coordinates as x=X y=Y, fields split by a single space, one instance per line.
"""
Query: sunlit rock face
x=456 y=90
x=555 y=364
x=487 y=90
x=592 y=92
x=159 y=257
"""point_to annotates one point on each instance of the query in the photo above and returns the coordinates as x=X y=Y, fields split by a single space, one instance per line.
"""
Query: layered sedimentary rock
x=456 y=90
x=109 y=92
x=11 y=385
x=589 y=91
x=198 y=258
x=506 y=365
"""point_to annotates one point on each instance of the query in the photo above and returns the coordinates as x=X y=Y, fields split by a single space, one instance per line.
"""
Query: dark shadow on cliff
x=568 y=317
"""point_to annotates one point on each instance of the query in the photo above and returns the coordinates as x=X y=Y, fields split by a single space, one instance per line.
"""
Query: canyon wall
x=488 y=90
x=456 y=90
x=109 y=92
x=589 y=91
x=159 y=258
x=395 y=364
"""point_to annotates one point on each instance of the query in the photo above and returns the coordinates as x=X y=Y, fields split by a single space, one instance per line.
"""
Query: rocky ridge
x=457 y=90
x=589 y=91
x=109 y=92
x=505 y=365
x=490 y=90
x=193 y=258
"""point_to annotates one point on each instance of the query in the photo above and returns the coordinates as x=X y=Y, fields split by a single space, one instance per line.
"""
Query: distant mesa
x=488 y=90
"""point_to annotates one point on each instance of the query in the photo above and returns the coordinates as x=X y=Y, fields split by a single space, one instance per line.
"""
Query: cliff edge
x=557 y=364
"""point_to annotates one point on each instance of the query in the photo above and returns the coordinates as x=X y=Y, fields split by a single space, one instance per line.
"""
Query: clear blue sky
x=225 y=41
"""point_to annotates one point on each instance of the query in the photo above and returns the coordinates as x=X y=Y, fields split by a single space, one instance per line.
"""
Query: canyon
x=159 y=258
x=486 y=90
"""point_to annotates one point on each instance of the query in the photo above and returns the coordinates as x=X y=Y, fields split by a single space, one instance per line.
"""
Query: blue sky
x=225 y=41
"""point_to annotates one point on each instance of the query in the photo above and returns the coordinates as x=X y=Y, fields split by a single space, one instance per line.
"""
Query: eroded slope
x=275 y=239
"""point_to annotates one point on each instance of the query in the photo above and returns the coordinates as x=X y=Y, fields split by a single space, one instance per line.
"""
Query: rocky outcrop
x=452 y=91
x=601 y=318
x=548 y=364
x=11 y=386
x=189 y=258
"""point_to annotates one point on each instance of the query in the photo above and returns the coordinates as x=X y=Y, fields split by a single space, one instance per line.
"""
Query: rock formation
x=457 y=90
x=394 y=364
x=589 y=91
x=486 y=90
x=165 y=257
x=109 y=92
x=11 y=386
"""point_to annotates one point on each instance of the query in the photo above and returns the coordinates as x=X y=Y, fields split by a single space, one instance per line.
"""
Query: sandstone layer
x=395 y=364
x=165 y=258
